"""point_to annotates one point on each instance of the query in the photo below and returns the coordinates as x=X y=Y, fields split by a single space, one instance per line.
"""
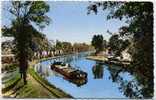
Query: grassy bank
x=56 y=91
x=9 y=84
x=37 y=87
x=31 y=90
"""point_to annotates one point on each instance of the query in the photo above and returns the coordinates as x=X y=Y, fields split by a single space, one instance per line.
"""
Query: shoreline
x=50 y=87
x=7 y=92
x=107 y=61
x=45 y=83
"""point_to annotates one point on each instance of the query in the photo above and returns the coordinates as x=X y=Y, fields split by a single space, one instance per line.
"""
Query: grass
x=11 y=83
x=36 y=87
x=56 y=91
x=31 y=90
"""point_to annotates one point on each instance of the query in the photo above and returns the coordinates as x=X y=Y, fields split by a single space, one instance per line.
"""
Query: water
x=103 y=81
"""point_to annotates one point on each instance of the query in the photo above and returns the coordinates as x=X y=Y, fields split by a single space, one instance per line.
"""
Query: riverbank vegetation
x=98 y=43
x=139 y=17
x=22 y=30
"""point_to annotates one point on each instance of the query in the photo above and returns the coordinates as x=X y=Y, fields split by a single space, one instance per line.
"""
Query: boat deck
x=65 y=68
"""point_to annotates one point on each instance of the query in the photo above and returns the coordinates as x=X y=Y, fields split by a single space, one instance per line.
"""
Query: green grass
x=11 y=83
x=36 y=87
x=27 y=91
x=57 y=92
x=31 y=90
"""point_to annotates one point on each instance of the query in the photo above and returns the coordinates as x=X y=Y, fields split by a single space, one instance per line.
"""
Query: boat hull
x=77 y=74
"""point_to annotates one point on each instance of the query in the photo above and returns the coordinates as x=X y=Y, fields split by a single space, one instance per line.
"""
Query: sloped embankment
x=36 y=87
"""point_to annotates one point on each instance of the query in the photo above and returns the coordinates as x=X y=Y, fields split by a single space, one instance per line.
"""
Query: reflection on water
x=103 y=81
x=130 y=88
x=78 y=82
x=97 y=71
x=114 y=72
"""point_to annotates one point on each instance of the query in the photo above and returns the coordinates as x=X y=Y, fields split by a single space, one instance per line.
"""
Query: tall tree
x=139 y=16
x=97 y=42
x=25 y=13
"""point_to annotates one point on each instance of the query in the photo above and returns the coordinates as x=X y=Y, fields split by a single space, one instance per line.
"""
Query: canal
x=105 y=81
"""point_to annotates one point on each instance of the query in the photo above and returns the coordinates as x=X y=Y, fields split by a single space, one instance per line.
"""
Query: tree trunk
x=23 y=68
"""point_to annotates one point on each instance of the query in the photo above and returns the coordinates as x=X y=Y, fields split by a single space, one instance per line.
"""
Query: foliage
x=118 y=45
x=131 y=86
x=139 y=16
x=80 y=47
x=41 y=43
x=26 y=13
x=58 y=45
x=67 y=47
x=97 y=42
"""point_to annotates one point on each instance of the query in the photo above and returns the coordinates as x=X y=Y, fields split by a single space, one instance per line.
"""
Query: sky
x=70 y=22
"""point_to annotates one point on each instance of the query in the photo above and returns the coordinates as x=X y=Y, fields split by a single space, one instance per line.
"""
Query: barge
x=67 y=71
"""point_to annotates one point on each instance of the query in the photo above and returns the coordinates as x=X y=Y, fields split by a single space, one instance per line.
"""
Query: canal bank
x=106 y=60
x=56 y=92
x=36 y=87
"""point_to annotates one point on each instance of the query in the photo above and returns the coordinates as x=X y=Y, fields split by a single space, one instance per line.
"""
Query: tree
x=67 y=47
x=97 y=42
x=113 y=42
x=25 y=13
x=118 y=45
x=105 y=44
x=139 y=16
x=59 y=45
x=80 y=47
